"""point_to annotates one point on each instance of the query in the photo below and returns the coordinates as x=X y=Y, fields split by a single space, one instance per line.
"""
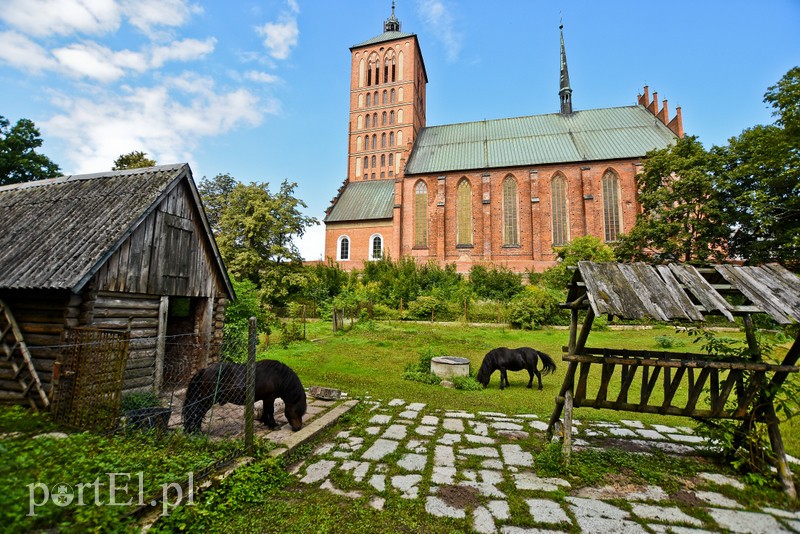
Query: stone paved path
x=464 y=465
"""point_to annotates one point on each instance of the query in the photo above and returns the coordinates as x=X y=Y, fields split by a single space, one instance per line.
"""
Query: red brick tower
x=387 y=103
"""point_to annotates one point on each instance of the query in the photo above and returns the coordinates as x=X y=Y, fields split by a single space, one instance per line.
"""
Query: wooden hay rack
x=655 y=381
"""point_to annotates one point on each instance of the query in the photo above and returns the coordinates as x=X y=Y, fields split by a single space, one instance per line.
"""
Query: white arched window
x=464 y=213
x=375 y=247
x=343 y=248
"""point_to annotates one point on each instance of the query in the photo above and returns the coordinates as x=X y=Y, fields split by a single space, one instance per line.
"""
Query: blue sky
x=259 y=89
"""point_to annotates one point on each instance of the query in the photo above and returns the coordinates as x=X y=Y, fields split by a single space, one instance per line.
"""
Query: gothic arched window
x=558 y=201
x=510 y=231
x=464 y=213
x=421 y=215
x=611 y=212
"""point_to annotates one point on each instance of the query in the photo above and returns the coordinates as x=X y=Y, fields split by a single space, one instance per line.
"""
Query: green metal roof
x=385 y=36
x=361 y=201
x=589 y=135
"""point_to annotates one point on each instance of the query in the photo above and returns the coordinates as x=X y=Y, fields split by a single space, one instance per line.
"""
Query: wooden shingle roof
x=56 y=234
x=685 y=293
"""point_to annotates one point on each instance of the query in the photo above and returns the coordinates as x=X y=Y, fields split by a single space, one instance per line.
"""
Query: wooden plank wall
x=115 y=310
x=166 y=255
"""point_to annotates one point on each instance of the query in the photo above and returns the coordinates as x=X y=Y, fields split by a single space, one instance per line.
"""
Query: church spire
x=565 y=92
x=391 y=24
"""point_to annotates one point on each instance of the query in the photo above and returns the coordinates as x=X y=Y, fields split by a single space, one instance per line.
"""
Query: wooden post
x=304 y=321
x=566 y=447
x=161 y=344
x=781 y=464
x=334 y=318
x=569 y=378
x=752 y=342
x=250 y=389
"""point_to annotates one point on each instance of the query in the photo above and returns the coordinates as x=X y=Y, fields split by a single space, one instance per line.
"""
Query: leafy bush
x=384 y=312
x=666 y=342
x=586 y=248
x=424 y=308
x=135 y=401
x=496 y=283
x=467 y=383
x=532 y=308
x=421 y=371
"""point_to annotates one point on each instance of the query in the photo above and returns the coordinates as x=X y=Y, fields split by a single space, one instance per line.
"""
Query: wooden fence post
x=250 y=375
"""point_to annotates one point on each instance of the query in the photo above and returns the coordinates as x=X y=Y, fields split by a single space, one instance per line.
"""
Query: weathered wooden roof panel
x=699 y=287
x=54 y=234
x=667 y=293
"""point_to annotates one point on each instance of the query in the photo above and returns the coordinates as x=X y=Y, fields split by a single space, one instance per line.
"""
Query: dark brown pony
x=225 y=382
x=506 y=359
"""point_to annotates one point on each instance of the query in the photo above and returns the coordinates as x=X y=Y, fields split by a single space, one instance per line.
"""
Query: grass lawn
x=368 y=362
x=370 y=359
x=365 y=362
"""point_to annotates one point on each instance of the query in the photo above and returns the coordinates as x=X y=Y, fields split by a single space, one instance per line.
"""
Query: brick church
x=502 y=192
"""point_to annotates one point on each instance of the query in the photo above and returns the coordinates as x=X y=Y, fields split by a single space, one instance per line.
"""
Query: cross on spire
x=391 y=24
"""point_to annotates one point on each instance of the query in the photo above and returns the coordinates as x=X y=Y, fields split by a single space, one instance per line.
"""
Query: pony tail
x=548 y=365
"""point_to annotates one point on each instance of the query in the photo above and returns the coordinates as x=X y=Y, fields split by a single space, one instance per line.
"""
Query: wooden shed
x=129 y=250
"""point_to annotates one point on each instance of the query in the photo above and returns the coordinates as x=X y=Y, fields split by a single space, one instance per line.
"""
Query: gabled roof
x=57 y=233
x=588 y=135
x=362 y=201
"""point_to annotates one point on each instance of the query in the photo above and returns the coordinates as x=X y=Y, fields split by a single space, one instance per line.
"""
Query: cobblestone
x=408 y=451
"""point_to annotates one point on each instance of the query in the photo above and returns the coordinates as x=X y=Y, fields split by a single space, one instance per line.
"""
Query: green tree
x=215 y=194
x=759 y=183
x=255 y=230
x=760 y=194
x=133 y=160
x=19 y=161
x=584 y=248
x=784 y=97
x=682 y=217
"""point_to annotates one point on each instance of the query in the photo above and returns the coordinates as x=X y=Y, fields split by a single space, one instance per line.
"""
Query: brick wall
x=534 y=212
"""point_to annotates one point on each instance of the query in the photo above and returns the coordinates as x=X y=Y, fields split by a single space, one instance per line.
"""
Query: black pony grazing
x=507 y=359
x=225 y=382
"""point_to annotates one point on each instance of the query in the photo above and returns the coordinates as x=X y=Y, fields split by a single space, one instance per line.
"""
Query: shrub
x=424 y=308
x=666 y=342
x=497 y=283
x=135 y=401
x=532 y=308
x=467 y=383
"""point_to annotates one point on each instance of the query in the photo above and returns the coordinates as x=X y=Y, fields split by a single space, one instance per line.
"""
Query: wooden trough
x=739 y=389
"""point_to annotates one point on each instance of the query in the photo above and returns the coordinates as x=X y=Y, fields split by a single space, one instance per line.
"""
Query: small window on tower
x=384 y=95
x=369 y=99
x=383 y=160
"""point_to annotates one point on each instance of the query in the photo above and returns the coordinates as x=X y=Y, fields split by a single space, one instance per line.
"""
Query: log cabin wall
x=42 y=317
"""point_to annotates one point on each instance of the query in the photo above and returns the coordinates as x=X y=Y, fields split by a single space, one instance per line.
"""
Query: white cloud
x=281 y=37
x=166 y=121
x=147 y=14
x=22 y=53
x=93 y=17
x=439 y=19
x=185 y=50
x=61 y=17
x=261 y=77
x=97 y=62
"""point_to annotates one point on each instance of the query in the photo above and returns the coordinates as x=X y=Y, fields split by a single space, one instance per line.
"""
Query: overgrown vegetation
x=35 y=469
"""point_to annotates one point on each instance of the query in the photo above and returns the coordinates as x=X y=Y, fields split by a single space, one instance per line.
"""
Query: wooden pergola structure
x=736 y=388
